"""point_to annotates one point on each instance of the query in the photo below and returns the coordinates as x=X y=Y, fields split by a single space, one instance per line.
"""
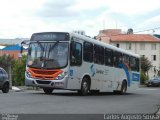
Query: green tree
x=143 y=77
x=19 y=71
x=6 y=61
x=145 y=67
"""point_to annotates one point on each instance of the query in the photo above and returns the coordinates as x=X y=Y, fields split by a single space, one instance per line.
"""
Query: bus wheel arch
x=85 y=85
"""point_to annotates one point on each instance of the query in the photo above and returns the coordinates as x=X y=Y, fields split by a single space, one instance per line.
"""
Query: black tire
x=5 y=88
x=94 y=91
x=85 y=86
x=48 y=90
x=123 y=87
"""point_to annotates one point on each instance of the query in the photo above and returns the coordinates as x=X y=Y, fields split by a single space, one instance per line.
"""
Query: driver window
x=76 y=54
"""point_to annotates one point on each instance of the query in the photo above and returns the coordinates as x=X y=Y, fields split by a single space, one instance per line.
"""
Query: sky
x=22 y=18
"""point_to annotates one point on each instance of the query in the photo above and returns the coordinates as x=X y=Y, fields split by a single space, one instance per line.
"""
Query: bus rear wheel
x=48 y=90
x=84 y=87
x=123 y=87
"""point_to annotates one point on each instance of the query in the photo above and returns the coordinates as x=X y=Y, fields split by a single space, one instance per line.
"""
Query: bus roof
x=94 y=41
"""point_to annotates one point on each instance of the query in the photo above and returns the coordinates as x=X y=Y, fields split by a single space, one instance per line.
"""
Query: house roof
x=110 y=32
x=1 y=47
x=12 y=47
x=134 y=38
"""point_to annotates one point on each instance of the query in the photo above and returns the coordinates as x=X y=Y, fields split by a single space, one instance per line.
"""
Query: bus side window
x=127 y=61
x=98 y=54
x=76 y=54
x=134 y=64
x=108 y=57
x=117 y=59
x=88 y=52
x=137 y=64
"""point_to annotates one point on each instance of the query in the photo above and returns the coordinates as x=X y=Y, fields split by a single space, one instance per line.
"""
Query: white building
x=142 y=44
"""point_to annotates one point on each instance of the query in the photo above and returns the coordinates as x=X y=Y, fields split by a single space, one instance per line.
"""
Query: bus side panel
x=120 y=75
x=75 y=77
x=77 y=73
x=135 y=80
x=97 y=73
x=109 y=78
x=113 y=78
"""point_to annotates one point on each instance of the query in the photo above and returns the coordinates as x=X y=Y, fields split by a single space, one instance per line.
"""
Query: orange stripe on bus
x=44 y=74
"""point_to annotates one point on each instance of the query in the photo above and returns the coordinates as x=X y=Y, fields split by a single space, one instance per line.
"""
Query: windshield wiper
x=40 y=45
x=52 y=48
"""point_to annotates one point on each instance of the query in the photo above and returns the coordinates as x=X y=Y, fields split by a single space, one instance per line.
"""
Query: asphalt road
x=142 y=100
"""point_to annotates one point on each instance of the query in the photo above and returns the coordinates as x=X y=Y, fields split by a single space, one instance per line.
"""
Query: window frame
x=153 y=57
x=91 y=58
x=108 y=54
x=153 y=46
x=71 y=52
x=128 y=46
x=98 y=54
x=142 y=46
x=116 y=59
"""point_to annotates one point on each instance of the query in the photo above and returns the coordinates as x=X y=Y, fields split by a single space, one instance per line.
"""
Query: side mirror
x=24 y=43
x=21 y=49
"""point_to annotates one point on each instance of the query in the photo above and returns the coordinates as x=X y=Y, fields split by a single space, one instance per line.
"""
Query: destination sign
x=50 y=36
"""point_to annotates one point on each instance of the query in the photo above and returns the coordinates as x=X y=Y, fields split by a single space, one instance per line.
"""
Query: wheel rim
x=85 y=87
x=124 y=88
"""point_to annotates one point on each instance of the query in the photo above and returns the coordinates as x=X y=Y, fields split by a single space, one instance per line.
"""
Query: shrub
x=144 y=77
x=19 y=71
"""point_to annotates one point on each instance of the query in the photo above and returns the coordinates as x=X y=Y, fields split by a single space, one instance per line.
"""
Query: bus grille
x=43 y=82
x=44 y=74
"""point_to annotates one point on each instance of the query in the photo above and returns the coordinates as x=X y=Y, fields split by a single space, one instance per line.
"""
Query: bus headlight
x=28 y=74
x=61 y=76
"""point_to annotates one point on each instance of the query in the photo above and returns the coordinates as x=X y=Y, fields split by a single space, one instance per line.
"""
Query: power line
x=153 y=29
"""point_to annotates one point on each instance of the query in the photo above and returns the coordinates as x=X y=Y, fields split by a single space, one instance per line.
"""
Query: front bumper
x=153 y=84
x=59 y=84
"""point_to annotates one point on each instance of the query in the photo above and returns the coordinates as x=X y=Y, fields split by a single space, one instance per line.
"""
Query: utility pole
x=10 y=75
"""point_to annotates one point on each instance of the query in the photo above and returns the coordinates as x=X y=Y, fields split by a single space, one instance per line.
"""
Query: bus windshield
x=48 y=55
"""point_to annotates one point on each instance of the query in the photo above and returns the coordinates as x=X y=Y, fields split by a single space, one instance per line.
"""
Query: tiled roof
x=110 y=32
x=12 y=47
x=134 y=38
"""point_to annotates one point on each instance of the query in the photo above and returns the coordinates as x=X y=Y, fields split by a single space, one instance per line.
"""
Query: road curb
x=24 y=88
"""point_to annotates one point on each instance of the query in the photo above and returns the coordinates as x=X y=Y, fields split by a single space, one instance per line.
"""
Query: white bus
x=61 y=60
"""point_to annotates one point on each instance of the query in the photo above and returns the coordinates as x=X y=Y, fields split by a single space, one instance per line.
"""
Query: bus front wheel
x=48 y=90
x=84 y=87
